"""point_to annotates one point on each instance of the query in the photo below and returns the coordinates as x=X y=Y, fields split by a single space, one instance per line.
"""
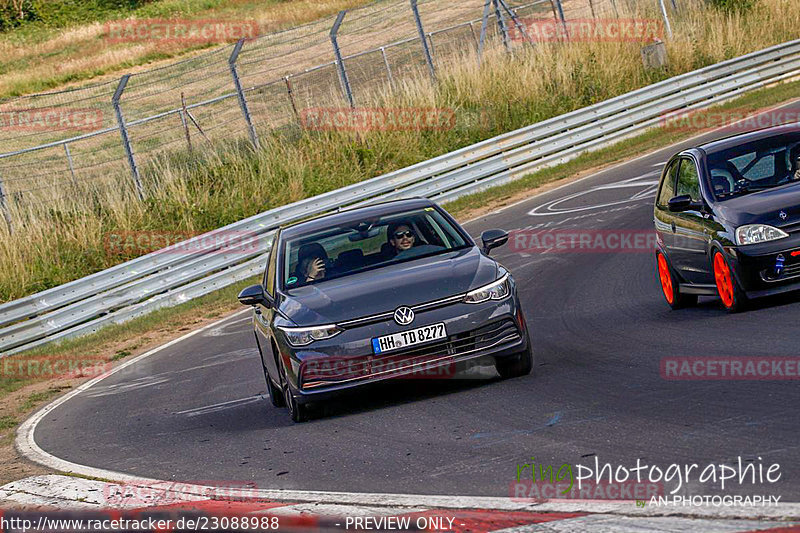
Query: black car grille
x=329 y=371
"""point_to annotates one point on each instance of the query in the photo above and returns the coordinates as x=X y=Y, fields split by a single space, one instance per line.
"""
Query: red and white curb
x=56 y=492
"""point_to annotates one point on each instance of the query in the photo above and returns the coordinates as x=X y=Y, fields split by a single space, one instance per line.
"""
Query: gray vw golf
x=379 y=292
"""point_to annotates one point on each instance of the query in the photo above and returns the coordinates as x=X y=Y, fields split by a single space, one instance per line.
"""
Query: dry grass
x=64 y=241
x=46 y=59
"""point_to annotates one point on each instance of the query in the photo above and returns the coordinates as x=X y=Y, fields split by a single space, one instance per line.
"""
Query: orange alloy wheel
x=722 y=275
x=666 y=278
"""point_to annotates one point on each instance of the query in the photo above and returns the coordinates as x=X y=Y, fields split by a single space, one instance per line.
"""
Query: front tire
x=297 y=411
x=275 y=392
x=514 y=367
x=670 y=285
x=730 y=293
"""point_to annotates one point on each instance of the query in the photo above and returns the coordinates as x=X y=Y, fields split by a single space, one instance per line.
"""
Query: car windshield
x=755 y=166
x=367 y=244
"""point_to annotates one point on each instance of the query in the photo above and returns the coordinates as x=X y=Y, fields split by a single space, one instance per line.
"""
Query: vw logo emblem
x=783 y=215
x=404 y=316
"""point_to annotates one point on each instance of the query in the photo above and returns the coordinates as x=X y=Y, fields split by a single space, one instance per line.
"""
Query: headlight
x=497 y=290
x=305 y=336
x=755 y=233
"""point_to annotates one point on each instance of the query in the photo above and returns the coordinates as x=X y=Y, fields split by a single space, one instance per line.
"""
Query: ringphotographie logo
x=582 y=241
x=698 y=368
x=588 y=30
x=45 y=119
x=377 y=119
x=180 y=31
x=181 y=243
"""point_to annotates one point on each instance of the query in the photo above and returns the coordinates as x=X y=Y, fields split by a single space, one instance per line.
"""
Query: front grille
x=329 y=371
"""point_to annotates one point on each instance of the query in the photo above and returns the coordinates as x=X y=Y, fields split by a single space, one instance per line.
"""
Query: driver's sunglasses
x=401 y=234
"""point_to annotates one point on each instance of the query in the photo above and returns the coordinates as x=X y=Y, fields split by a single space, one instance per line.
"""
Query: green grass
x=7 y=422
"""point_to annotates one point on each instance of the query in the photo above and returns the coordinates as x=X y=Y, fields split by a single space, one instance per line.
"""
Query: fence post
x=484 y=27
x=123 y=131
x=501 y=22
x=667 y=26
x=4 y=208
x=348 y=92
x=591 y=7
x=425 y=48
x=185 y=122
x=517 y=22
x=558 y=8
x=388 y=68
x=69 y=162
x=290 y=92
x=240 y=93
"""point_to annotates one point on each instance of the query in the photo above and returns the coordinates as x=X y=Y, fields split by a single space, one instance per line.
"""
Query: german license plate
x=407 y=338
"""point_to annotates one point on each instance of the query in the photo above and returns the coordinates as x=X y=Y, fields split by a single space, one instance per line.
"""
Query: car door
x=664 y=219
x=265 y=315
x=691 y=238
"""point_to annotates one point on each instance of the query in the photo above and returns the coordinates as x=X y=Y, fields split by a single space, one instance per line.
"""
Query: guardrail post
x=240 y=93
x=421 y=31
x=501 y=22
x=4 y=208
x=123 y=131
x=667 y=26
x=69 y=162
x=343 y=79
x=388 y=68
x=484 y=27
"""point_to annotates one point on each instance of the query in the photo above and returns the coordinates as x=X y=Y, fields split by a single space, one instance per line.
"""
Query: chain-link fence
x=102 y=139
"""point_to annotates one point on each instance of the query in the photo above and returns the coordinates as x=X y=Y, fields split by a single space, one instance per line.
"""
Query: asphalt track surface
x=197 y=412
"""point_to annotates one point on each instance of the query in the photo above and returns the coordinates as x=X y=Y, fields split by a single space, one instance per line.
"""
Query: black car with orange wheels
x=727 y=218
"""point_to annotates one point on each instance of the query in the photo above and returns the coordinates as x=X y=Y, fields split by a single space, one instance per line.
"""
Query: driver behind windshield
x=311 y=263
x=405 y=243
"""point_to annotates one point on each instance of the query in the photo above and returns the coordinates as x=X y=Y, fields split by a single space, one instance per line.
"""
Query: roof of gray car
x=354 y=215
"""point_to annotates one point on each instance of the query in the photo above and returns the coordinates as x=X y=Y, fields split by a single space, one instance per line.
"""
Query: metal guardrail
x=168 y=277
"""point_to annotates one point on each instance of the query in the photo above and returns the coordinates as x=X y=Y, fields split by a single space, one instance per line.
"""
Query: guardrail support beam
x=123 y=131
x=343 y=79
x=251 y=130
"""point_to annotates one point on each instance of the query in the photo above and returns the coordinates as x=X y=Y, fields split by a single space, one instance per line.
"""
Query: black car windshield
x=366 y=245
x=755 y=166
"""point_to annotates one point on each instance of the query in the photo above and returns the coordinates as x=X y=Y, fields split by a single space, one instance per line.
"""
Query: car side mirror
x=492 y=238
x=680 y=203
x=255 y=295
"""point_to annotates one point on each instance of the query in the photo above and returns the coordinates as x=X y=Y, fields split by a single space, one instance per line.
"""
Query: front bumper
x=756 y=265
x=324 y=369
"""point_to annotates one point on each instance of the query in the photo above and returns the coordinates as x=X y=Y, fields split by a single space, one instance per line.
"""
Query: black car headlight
x=496 y=290
x=756 y=233
x=305 y=336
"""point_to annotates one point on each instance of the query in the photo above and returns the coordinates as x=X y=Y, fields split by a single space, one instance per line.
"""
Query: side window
x=269 y=276
x=688 y=180
x=668 y=187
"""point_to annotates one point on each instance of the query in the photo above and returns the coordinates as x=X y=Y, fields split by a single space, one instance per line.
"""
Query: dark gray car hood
x=384 y=289
x=763 y=206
